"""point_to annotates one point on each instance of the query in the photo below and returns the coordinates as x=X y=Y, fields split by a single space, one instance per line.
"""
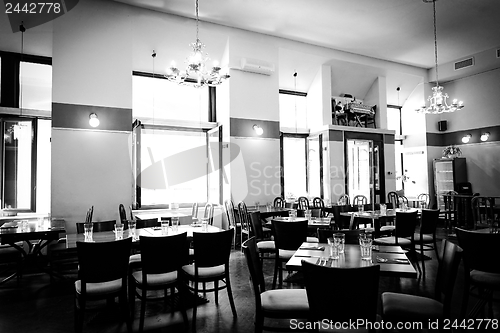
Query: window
x=293 y=110
x=394 y=123
x=294 y=165
x=172 y=158
x=36 y=86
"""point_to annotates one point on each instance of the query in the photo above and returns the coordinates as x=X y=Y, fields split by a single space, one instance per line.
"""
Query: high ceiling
x=395 y=30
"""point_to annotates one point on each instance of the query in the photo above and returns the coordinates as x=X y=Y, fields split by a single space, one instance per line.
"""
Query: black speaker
x=442 y=125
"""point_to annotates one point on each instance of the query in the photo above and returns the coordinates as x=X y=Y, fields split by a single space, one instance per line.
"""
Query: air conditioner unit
x=257 y=66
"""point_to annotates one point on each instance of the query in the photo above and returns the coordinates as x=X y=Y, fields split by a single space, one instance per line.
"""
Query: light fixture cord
x=435 y=42
x=23 y=29
x=154 y=57
x=197 y=22
x=295 y=100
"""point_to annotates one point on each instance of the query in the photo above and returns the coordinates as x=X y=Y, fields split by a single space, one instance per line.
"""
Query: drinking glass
x=118 y=231
x=87 y=231
x=292 y=214
x=383 y=209
x=333 y=245
x=269 y=207
x=340 y=239
x=307 y=214
x=204 y=224
x=164 y=227
x=132 y=227
x=365 y=243
x=361 y=208
x=175 y=224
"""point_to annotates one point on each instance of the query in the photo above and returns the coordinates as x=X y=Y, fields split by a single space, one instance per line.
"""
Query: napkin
x=313 y=248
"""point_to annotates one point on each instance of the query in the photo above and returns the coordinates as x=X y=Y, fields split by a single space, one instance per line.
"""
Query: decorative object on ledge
x=258 y=130
x=466 y=138
x=485 y=136
x=197 y=74
x=93 y=120
x=452 y=151
x=438 y=99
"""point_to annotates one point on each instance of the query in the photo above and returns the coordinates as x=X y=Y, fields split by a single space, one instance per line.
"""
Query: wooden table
x=162 y=214
x=266 y=212
x=313 y=223
x=352 y=258
x=378 y=218
x=108 y=236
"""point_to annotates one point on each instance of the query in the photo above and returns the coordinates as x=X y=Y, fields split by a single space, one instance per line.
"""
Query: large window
x=294 y=165
x=394 y=123
x=293 y=110
x=173 y=161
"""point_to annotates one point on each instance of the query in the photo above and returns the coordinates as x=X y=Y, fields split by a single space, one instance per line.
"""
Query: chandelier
x=438 y=100
x=197 y=72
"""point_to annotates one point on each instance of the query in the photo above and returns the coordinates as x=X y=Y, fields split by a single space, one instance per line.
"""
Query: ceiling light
x=258 y=130
x=485 y=136
x=438 y=99
x=197 y=73
x=93 y=120
x=466 y=138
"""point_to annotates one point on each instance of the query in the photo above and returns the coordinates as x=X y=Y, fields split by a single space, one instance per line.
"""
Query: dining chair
x=450 y=209
x=359 y=200
x=97 y=226
x=403 y=201
x=279 y=202
x=9 y=257
x=272 y=304
x=404 y=233
x=265 y=244
x=303 y=203
x=482 y=271
x=209 y=213
x=425 y=198
x=344 y=199
x=244 y=220
x=146 y=223
x=122 y=213
x=393 y=199
x=232 y=220
x=160 y=272
x=426 y=236
x=398 y=307
x=102 y=275
x=211 y=264
x=194 y=213
x=351 y=236
x=483 y=211
x=135 y=258
x=356 y=299
x=288 y=237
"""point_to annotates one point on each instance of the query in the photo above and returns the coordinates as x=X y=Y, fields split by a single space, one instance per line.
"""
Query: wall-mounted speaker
x=442 y=125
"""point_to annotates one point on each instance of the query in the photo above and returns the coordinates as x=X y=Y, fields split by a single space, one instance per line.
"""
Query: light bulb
x=93 y=120
x=466 y=138
x=485 y=136
x=258 y=130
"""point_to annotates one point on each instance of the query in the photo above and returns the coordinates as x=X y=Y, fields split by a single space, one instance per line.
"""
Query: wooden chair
x=102 y=275
x=303 y=203
x=273 y=304
x=403 y=201
x=211 y=264
x=482 y=270
x=483 y=211
x=426 y=237
x=265 y=244
x=424 y=198
x=194 y=213
x=160 y=272
x=393 y=199
x=288 y=236
x=232 y=221
x=97 y=226
x=146 y=223
x=244 y=220
x=359 y=200
x=9 y=256
x=351 y=236
x=398 y=307
x=209 y=213
x=344 y=200
x=279 y=202
x=122 y=213
x=339 y=305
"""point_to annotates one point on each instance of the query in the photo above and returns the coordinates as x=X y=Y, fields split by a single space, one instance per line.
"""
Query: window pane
x=35 y=86
x=398 y=149
x=162 y=99
x=394 y=120
x=293 y=111
x=294 y=166
x=173 y=167
x=18 y=136
x=43 y=166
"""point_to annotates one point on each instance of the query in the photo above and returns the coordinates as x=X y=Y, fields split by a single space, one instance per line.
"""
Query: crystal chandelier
x=197 y=73
x=438 y=99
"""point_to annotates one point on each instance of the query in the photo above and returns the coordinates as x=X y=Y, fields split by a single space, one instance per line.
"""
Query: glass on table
x=118 y=231
x=365 y=244
x=333 y=246
x=204 y=224
x=164 y=227
x=383 y=209
x=269 y=207
x=307 y=214
x=361 y=208
x=132 y=227
x=292 y=214
x=175 y=224
x=340 y=239
x=88 y=231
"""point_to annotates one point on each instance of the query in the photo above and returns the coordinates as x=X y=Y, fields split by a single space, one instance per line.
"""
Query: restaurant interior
x=231 y=120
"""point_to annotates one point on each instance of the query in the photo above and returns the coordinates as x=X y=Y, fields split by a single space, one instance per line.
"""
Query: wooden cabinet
x=447 y=174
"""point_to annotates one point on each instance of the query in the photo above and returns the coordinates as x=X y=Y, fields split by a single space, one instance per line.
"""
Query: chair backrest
x=289 y=235
x=359 y=200
x=479 y=250
x=256 y=222
x=279 y=202
x=212 y=248
x=344 y=199
x=450 y=256
x=229 y=207
x=351 y=236
x=406 y=223
x=424 y=197
x=483 y=209
x=429 y=221
x=303 y=203
x=146 y=223
x=194 y=210
x=318 y=203
x=209 y=213
x=356 y=299
x=244 y=217
x=122 y=213
x=97 y=226
x=342 y=222
x=255 y=269
x=103 y=261
x=403 y=201
x=393 y=198
x=163 y=254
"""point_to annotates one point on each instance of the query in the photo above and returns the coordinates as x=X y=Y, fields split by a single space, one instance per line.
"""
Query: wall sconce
x=466 y=138
x=258 y=130
x=485 y=136
x=93 y=120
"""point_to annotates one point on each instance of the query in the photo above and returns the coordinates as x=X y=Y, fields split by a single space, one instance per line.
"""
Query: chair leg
x=195 y=305
x=143 y=310
x=275 y=273
x=230 y=294
x=465 y=298
x=182 y=289
x=423 y=259
x=216 y=288
x=125 y=308
x=79 y=314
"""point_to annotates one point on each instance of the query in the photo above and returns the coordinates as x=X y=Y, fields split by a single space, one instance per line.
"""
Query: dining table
x=161 y=214
x=313 y=223
x=392 y=259
x=378 y=218
x=269 y=211
x=109 y=236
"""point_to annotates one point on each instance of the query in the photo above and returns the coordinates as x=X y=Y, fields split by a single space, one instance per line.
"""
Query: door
x=315 y=166
x=214 y=166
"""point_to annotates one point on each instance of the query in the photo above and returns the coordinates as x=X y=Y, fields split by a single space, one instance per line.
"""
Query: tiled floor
x=36 y=305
